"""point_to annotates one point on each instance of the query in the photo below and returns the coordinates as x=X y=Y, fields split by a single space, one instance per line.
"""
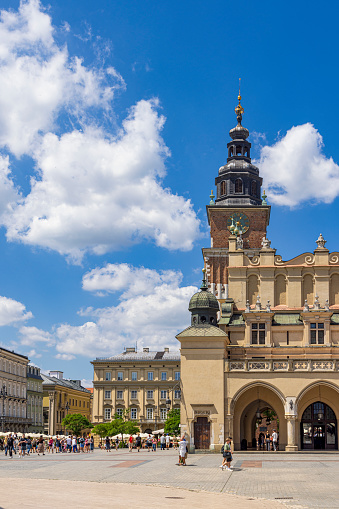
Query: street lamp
x=3 y=395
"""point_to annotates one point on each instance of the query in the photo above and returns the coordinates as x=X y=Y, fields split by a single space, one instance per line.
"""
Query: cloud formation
x=12 y=312
x=92 y=189
x=153 y=308
x=296 y=171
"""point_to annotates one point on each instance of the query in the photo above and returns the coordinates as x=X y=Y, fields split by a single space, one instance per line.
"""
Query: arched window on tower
x=238 y=186
x=238 y=149
x=223 y=188
x=254 y=188
x=230 y=152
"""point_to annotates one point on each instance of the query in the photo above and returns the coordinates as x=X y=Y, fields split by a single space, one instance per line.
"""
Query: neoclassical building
x=264 y=331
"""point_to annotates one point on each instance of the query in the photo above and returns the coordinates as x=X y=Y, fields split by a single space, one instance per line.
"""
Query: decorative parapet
x=282 y=365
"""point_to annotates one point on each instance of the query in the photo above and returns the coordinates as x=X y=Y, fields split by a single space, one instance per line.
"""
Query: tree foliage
x=101 y=429
x=76 y=423
x=172 y=422
x=118 y=426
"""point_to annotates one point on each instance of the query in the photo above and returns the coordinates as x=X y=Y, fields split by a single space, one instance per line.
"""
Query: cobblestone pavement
x=295 y=479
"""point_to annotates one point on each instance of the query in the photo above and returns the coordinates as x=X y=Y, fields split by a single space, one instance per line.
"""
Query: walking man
x=275 y=439
x=162 y=442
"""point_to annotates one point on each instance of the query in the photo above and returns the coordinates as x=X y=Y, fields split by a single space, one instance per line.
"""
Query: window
x=150 y=375
x=258 y=333
x=149 y=413
x=223 y=188
x=120 y=375
x=254 y=188
x=107 y=413
x=133 y=413
x=73 y=402
x=119 y=394
x=317 y=333
x=76 y=402
x=108 y=376
x=134 y=375
x=80 y=403
x=163 y=395
x=177 y=394
x=119 y=412
x=163 y=413
x=177 y=375
x=149 y=394
x=238 y=186
x=107 y=394
x=134 y=394
x=163 y=375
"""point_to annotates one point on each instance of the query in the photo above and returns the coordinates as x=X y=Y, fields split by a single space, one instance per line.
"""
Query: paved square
x=297 y=480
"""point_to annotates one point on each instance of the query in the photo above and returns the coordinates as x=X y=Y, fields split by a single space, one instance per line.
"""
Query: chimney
x=166 y=350
x=130 y=350
x=57 y=374
x=146 y=350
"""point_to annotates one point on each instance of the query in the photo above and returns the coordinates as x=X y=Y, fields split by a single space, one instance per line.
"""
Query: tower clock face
x=240 y=219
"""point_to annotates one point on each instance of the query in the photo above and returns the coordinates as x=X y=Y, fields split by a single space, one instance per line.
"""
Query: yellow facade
x=60 y=398
x=139 y=381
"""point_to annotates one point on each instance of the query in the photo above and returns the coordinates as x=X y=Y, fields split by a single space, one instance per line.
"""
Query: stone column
x=291 y=435
x=51 y=416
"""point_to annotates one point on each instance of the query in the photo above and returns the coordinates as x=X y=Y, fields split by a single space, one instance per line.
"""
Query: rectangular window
x=80 y=403
x=149 y=413
x=120 y=375
x=150 y=375
x=177 y=394
x=258 y=334
x=119 y=412
x=119 y=394
x=107 y=394
x=163 y=375
x=134 y=375
x=134 y=394
x=317 y=333
x=149 y=394
x=163 y=395
x=107 y=413
x=76 y=402
x=133 y=413
x=177 y=375
x=108 y=376
x=163 y=413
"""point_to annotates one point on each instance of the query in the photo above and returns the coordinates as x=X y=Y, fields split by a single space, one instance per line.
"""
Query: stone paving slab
x=293 y=479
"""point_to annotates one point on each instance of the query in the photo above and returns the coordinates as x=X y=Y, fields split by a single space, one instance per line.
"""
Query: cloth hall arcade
x=264 y=331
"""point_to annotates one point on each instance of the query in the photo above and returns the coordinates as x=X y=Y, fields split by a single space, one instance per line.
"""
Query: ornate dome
x=203 y=299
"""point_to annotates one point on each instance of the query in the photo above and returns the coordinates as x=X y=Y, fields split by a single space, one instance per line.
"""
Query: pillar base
x=291 y=448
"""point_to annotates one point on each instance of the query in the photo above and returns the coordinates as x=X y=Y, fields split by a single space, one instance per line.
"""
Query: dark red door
x=202 y=433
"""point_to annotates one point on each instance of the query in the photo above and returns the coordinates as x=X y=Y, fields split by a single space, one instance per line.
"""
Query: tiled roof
x=202 y=330
x=286 y=319
x=142 y=356
x=48 y=380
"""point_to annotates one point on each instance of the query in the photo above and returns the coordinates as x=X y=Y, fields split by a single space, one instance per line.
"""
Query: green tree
x=102 y=429
x=76 y=423
x=172 y=422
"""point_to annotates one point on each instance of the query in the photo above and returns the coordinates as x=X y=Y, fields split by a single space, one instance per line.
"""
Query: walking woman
x=41 y=446
x=227 y=455
x=182 y=451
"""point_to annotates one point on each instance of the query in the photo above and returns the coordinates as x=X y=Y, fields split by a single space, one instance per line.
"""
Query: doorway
x=319 y=427
x=202 y=433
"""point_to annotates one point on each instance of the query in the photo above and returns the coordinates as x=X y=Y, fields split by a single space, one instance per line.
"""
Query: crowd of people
x=25 y=445
x=150 y=443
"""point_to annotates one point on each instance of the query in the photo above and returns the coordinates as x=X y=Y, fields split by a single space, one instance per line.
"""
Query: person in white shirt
x=168 y=441
x=275 y=439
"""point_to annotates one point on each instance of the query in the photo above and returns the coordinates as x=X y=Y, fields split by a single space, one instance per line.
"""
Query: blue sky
x=114 y=120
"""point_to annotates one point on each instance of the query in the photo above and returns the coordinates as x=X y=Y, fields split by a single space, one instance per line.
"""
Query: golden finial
x=239 y=110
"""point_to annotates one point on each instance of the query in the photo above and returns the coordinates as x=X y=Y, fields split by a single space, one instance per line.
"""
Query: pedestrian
x=138 y=442
x=162 y=442
x=116 y=443
x=10 y=445
x=168 y=441
x=82 y=444
x=108 y=444
x=149 y=443
x=28 y=445
x=227 y=455
x=268 y=441
x=275 y=440
x=41 y=446
x=130 y=444
x=74 y=444
x=154 y=444
x=69 y=443
x=92 y=444
x=182 y=451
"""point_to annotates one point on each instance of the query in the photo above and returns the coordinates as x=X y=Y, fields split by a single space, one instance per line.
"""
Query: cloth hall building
x=264 y=331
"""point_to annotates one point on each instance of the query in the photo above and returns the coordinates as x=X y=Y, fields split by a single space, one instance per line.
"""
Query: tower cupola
x=204 y=306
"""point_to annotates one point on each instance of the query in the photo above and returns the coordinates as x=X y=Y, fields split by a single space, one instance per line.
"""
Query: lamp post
x=3 y=395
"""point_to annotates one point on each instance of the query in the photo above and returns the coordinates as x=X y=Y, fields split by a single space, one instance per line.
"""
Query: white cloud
x=87 y=383
x=64 y=357
x=12 y=312
x=92 y=190
x=33 y=353
x=295 y=170
x=151 y=318
x=131 y=280
x=32 y=335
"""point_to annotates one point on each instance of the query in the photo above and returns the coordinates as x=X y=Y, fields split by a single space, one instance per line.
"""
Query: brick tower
x=238 y=209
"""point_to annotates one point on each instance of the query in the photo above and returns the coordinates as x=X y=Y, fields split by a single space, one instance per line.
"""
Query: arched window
x=280 y=290
x=252 y=289
x=230 y=152
x=308 y=291
x=223 y=188
x=239 y=151
x=238 y=186
x=254 y=188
